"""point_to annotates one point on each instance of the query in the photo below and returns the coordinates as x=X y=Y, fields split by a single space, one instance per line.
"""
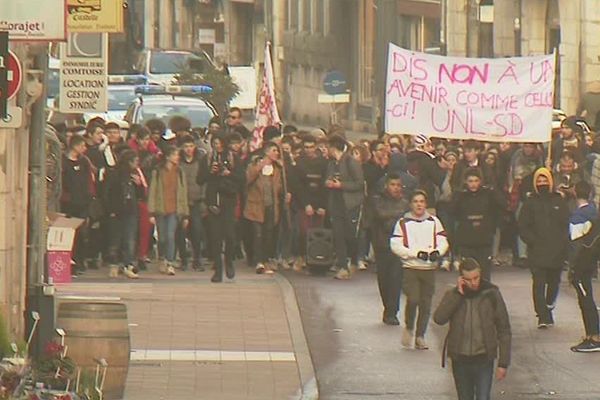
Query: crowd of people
x=405 y=205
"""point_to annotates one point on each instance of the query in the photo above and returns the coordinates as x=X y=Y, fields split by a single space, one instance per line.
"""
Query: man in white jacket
x=419 y=239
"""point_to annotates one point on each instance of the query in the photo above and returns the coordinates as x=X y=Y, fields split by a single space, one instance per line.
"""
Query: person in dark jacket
x=584 y=232
x=472 y=159
x=308 y=192
x=426 y=168
x=345 y=184
x=191 y=163
x=544 y=227
x=479 y=332
x=224 y=179
x=123 y=192
x=78 y=190
x=476 y=211
x=388 y=208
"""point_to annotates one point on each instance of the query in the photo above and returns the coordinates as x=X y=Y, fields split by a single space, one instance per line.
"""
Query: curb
x=309 y=389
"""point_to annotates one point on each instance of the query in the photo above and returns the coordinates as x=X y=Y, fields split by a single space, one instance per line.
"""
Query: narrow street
x=357 y=357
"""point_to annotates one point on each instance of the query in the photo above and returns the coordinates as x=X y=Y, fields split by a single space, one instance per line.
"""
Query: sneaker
x=170 y=270
x=342 y=274
x=588 y=345
x=229 y=270
x=495 y=262
x=217 y=278
x=362 y=265
x=542 y=324
x=391 y=320
x=299 y=264
x=333 y=268
x=407 y=338
x=421 y=344
x=446 y=265
x=260 y=268
x=129 y=271
x=113 y=271
x=198 y=266
x=456 y=265
x=163 y=266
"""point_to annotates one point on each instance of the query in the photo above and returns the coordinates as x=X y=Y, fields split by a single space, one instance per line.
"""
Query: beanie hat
x=421 y=140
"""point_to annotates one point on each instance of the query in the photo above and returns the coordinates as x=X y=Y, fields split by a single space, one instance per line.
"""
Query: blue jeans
x=129 y=230
x=166 y=226
x=473 y=377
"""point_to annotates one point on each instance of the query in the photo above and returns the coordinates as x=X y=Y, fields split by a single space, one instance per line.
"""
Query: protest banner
x=83 y=73
x=500 y=100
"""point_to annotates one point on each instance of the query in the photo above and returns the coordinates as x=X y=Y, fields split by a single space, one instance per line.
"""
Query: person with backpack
x=345 y=183
x=479 y=332
x=584 y=232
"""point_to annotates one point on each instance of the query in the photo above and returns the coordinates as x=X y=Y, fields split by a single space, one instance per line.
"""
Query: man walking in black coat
x=476 y=210
x=387 y=209
x=544 y=226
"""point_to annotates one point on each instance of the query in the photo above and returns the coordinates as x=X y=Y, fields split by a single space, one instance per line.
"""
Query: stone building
x=501 y=28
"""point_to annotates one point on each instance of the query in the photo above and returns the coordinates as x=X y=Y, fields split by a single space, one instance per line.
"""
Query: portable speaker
x=319 y=247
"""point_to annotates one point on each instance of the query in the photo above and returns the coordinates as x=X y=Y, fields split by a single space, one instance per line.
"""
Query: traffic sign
x=14 y=74
x=335 y=83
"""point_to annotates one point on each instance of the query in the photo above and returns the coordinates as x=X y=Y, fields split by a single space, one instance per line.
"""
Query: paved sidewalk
x=192 y=339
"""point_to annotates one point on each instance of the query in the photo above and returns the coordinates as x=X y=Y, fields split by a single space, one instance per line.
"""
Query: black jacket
x=308 y=182
x=121 y=194
x=477 y=215
x=493 y=315
x=544 y=226
x=428 y=173
x=385 y=212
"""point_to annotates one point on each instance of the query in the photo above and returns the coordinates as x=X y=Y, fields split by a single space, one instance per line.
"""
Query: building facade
x=502 y=28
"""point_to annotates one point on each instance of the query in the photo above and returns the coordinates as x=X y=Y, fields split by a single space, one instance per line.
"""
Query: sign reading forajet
x=34 y=19
x=95 y=15
x=83 y=73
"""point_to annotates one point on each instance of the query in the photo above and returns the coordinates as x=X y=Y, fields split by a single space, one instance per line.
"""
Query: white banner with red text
x=499 y=100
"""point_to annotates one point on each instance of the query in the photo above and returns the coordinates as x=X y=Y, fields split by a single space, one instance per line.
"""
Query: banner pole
x=556 y=83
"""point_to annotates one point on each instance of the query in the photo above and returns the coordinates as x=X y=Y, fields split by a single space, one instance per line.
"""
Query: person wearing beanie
x=544 y=227
x=570 y=139
x=423 y=164
x=477 y=211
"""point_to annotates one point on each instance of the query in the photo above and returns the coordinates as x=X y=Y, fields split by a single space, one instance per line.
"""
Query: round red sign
x=15 y=74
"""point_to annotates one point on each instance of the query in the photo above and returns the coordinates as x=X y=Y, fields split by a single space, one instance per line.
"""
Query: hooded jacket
x=544 y=226
x=413 y=235
x=487 y=307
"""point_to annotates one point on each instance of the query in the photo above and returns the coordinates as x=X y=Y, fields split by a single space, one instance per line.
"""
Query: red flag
x=266 y=112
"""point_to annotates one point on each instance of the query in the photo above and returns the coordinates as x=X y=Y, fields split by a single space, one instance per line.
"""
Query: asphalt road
x=357 y=357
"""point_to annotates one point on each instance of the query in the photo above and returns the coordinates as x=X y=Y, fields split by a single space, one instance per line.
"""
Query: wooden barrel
x=95 y=331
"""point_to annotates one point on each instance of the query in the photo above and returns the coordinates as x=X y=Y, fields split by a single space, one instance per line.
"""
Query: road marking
x=210 y=355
